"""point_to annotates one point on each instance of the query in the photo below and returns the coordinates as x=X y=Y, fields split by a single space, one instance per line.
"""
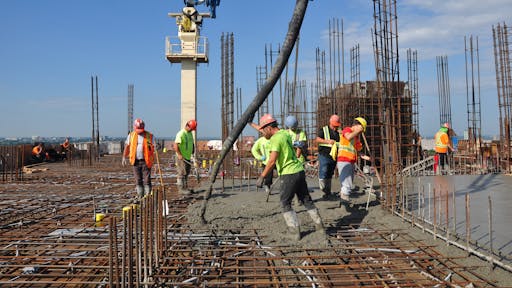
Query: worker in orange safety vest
x=139 y=148
x=347 y=153
x=37 y=153
x=442 y=147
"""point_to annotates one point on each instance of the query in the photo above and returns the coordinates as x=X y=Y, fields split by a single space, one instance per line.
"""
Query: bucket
x=99 y=217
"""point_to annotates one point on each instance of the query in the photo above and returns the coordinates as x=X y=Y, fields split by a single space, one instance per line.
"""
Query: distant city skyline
x=47 y=65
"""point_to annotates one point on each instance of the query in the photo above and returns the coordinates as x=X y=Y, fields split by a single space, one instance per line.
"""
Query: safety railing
x=177 y=50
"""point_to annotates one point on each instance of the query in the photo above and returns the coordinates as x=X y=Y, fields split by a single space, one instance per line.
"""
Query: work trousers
x=346 y=170
x=326 y=166
x=442 y=160
x=142 y=173
x=183 y=167
x=291 y=185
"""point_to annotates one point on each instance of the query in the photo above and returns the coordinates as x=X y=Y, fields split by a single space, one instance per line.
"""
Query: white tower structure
x=189 y=48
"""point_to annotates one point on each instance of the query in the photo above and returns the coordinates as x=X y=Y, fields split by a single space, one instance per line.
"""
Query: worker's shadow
x=355 y=214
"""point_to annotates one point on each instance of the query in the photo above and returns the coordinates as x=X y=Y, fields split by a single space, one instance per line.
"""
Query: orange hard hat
x=192 y=124
x=266 y=120
x=334 y=120
x=138 y=125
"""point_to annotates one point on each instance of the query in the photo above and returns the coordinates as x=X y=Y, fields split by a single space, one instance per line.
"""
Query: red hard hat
x=266 y=120
x=138 y=125
x=192 y=124
x=334 y=120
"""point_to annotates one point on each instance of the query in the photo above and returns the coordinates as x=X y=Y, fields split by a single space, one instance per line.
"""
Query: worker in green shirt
x=261 y=153
x=291 y=174
x=299 y=139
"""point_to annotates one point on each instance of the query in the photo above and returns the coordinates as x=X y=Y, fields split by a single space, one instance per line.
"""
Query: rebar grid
x=58 y=244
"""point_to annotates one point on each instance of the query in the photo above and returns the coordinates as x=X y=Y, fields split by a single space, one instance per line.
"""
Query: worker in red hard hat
x=184 y=147
x=140 y=150
x=327 y=137
x=292 y=175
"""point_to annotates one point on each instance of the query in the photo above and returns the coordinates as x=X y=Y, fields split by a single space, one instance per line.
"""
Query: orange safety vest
x=65 y=145
x=148 y=148
x=441 y=142
x=347 y=150
x=37 y=150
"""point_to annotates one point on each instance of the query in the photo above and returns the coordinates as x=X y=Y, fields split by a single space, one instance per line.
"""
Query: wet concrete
x=483 y=213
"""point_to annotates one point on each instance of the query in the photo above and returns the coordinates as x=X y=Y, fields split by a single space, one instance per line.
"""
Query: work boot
x=181 y=186
x=325 y=186
x=292 y=222
x=140 y=190
x=315 y=216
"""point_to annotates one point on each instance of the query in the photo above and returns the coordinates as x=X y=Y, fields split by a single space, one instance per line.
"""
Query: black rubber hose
x=248 y=115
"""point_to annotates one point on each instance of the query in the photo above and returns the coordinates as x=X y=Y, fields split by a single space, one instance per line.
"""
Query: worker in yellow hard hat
x=348 y=148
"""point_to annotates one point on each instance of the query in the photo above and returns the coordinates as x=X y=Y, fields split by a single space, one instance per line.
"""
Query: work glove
x=259 y=182
x=123 y=161
x=263 y=158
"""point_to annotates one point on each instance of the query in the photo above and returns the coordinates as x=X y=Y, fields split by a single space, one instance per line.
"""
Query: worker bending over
x=140 y=150
x=291 y=174
x=260 y=152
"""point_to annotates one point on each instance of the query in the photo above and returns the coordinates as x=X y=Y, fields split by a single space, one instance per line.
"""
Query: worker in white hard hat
x=299 y=138
x=327 y=137
x=139 y=148
x=292 y=176
x=348 y=148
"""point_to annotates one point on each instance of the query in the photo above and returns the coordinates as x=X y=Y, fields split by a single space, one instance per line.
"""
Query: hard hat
x=291 y=122
x=362 y=121
x=334 y=120
x=446 y=125
x=266 y=120
x=138 y=125
x=192 y=124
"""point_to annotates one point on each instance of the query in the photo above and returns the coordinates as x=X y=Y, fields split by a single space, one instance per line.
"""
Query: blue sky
x=50 y=49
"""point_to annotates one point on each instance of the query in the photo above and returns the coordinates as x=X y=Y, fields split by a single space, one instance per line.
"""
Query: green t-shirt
x=260 y=148
x=287 y=162
x=185 y=141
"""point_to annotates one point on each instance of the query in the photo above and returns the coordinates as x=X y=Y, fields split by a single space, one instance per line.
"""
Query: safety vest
x=441 y=142
x=65 y=145
x=347 y=150
x=36 y=150
x=147 y=148
x=327 y=136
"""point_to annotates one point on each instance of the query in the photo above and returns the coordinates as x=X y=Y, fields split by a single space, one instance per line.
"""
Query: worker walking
x=140 y=150
x=443 y=146
x=299 y=138
x=291 y=174
x=348 y=147
x=184 y=147
x=260 y=152
x=327 y=137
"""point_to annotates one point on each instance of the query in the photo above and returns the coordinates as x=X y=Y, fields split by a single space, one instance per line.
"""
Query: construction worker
x=184 y=147
x=291 y=173
x=261 y=153
x=64 y=148
x=298 y=136
x=443 y=145
x=327 y=136
x=140 y=150
x=348 y=147
x=38 y=153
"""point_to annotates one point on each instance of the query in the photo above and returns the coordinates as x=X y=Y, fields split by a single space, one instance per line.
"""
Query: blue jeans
x=326 y=167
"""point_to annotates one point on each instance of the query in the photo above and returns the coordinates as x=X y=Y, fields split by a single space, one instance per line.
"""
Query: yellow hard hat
x=362 y=121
